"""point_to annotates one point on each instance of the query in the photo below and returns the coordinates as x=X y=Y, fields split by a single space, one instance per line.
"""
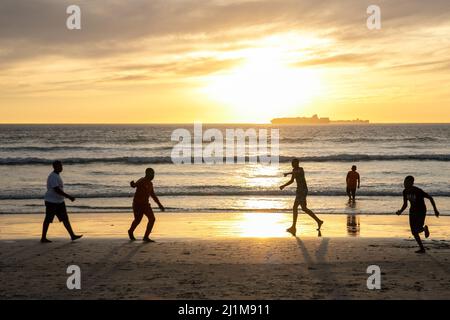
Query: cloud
x=30 y=29
x=189 y=68
x=171 y=40
x=426 y=66
x=338 y=60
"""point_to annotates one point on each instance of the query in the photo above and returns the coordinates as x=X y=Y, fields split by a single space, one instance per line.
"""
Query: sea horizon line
x=215 y=123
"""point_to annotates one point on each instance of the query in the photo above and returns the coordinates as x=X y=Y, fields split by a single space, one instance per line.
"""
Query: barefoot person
x=54 y=203
x=353 y=182
x=141 y=205
x=417 y=211
x=298 y=175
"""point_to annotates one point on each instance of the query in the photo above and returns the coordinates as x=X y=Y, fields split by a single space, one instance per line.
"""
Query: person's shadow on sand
x=321 y=268
x=319 y=233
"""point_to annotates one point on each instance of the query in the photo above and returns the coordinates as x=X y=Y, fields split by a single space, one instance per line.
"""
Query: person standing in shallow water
x=298 y=175
x=54 y=203
x=353 y=182
x=417 y=211
x=141 y=205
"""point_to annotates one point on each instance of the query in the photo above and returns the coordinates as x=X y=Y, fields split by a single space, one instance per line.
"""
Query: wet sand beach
x=224 y=256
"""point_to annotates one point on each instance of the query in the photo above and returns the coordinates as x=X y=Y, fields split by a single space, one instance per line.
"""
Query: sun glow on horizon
x=265 y=85
x=234 y=61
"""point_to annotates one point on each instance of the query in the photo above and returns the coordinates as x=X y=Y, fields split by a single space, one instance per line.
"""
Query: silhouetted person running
x=141 y=205
x=54 y=203
x=353 y=182
x=417 y=211
x=298 y=175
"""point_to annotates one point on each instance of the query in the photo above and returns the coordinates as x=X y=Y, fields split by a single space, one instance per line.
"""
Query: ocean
x=101 y=160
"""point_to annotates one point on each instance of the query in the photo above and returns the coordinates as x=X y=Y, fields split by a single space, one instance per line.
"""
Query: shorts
x=416 y=222
x=301 y=196
x=55 y=209
x=141 y=209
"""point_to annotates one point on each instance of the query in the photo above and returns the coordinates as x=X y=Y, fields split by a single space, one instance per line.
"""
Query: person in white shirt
x=54 y=203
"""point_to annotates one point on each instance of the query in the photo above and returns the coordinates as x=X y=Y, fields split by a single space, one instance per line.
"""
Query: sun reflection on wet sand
x=260 y=225
x=208 y=226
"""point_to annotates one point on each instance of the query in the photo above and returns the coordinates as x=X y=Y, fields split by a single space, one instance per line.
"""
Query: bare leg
x=133 y=227
x=44 y=232
x=427 y=231
x=150 y=224
x=73 y=236
x=295 y=213
x=419 y=242
x=293 y=228
x=311 y=214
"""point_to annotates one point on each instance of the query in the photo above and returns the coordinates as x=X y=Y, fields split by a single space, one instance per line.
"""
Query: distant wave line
x=283 y=159
x=230 y=193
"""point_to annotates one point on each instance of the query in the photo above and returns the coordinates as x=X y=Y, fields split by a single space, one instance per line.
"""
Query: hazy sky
x=223 y=61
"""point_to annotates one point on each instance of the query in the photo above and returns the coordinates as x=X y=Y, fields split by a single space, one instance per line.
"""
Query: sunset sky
x=170 y=61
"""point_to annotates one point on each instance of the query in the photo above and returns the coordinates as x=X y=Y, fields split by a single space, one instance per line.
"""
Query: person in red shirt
x=141 y=205
x=353 y=182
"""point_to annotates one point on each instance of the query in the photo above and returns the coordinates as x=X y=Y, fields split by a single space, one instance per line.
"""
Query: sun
x=264 y=86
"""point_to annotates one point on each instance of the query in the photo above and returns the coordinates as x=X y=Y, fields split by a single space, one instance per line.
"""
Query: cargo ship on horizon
x=315 y=119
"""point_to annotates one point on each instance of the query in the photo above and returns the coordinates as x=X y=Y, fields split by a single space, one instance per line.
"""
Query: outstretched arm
x=405 y=205
x=288 y=173
x=288 y=183
x=436 y=211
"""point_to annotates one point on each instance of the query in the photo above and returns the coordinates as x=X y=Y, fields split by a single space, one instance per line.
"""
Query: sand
x=222 y=256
